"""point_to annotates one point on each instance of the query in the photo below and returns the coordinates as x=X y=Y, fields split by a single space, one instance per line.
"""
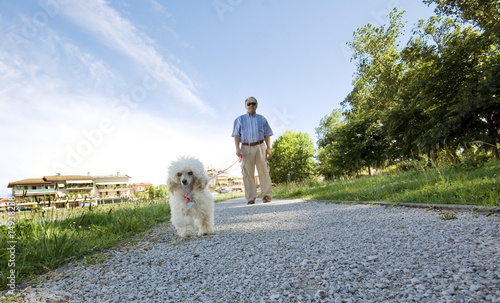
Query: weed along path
x=296 y=251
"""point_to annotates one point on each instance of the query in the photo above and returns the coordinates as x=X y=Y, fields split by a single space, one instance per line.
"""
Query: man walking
x=252 y=131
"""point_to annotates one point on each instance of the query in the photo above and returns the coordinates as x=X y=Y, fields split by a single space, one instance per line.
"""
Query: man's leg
x=263 y=170
x=248 y=172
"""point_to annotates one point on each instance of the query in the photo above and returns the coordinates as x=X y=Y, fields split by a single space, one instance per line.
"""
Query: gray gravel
x=298 y=251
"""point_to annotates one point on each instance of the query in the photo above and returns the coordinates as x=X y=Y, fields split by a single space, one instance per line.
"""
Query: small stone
x=476 y=287
x=286 y=285
x=304 y=262
x=322 y=294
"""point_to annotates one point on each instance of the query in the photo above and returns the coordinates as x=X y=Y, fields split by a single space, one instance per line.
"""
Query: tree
x=484 y=14
x=328 y=151
x=350 y=147
x=328 y=125
x=378 y=78
x=440 y=92
x=162 y=191
x=292 y=158
x=375 y=51
x=152 y=192
x=451 y=76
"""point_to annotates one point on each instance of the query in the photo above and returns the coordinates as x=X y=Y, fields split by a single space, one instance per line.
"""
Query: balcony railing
x=79 y=188
x=34 y=191
x=112 y=186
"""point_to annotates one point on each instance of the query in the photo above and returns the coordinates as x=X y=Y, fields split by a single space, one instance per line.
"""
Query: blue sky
x=128 y=86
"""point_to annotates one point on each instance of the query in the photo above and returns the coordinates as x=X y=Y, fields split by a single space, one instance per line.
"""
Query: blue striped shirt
x=251 y=128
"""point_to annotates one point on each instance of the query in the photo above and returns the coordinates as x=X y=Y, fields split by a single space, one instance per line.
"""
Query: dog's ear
x=200 y=183
x=172 y=186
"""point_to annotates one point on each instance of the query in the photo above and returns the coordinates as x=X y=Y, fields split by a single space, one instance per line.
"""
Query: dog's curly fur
x=187 y=178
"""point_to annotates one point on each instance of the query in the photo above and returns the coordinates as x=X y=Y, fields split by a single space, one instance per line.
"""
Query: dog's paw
x=205 y=232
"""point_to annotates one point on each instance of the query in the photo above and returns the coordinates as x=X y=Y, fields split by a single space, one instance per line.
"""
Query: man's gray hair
x=251 y=98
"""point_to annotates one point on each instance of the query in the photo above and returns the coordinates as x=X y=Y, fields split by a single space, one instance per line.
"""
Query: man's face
x=251 y=106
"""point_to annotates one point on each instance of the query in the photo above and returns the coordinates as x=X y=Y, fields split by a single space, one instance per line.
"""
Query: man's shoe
x=251 y=202
x=266 y=199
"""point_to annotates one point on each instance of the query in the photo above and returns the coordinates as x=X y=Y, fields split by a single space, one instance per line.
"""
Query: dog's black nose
x=185 y=182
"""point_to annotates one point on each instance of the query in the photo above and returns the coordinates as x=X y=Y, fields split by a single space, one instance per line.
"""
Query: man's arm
x=268 y=144
x=237 y=145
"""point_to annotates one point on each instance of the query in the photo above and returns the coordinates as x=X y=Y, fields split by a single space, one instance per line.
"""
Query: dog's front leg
x=184 y=225
x=205 y=223
x=189 y=228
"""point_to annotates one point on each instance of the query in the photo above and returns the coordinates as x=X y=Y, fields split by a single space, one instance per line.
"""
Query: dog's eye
x=179 y=174
x=190 y=173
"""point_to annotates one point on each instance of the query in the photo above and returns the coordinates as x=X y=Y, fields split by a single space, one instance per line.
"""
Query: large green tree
x=450 y=87
x=292 y=158
x=376 y=84
x=345 y=149
x=440 y=92
x=331 y=161
x=378 y=67
x=484 y=14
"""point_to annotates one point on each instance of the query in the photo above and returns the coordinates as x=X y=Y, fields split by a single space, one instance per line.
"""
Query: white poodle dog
x=191 y=203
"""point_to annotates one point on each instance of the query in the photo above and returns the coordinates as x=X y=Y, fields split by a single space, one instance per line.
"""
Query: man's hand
x=269 y=153
x=239 y=153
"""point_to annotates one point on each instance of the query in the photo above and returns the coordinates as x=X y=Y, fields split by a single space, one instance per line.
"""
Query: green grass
x=459 y=184
x=47 y=239
x=227 y=196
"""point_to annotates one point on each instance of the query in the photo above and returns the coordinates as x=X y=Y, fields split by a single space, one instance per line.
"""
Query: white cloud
x=56 y=97
x=121 y=35
x=51 y=127
x=160 y=9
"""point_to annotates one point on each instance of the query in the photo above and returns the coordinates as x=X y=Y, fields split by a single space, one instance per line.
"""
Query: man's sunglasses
x=251 y=104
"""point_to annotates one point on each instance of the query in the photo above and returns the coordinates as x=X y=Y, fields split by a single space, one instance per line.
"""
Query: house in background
x=236 y=184
x=224 y=183
x=217 y=182
x=140 y=188
x=65 y=191
x=4 y=203
x=112 y=187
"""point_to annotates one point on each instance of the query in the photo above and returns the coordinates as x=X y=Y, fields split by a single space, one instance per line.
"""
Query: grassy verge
x=227 y=196
x=451 y=185
x=47 y=239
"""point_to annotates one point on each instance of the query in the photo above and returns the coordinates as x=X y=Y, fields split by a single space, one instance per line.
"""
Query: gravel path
x=298 y=251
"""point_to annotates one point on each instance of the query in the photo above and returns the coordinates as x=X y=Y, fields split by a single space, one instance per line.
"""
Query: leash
x=239 y=160
x=190 y=202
